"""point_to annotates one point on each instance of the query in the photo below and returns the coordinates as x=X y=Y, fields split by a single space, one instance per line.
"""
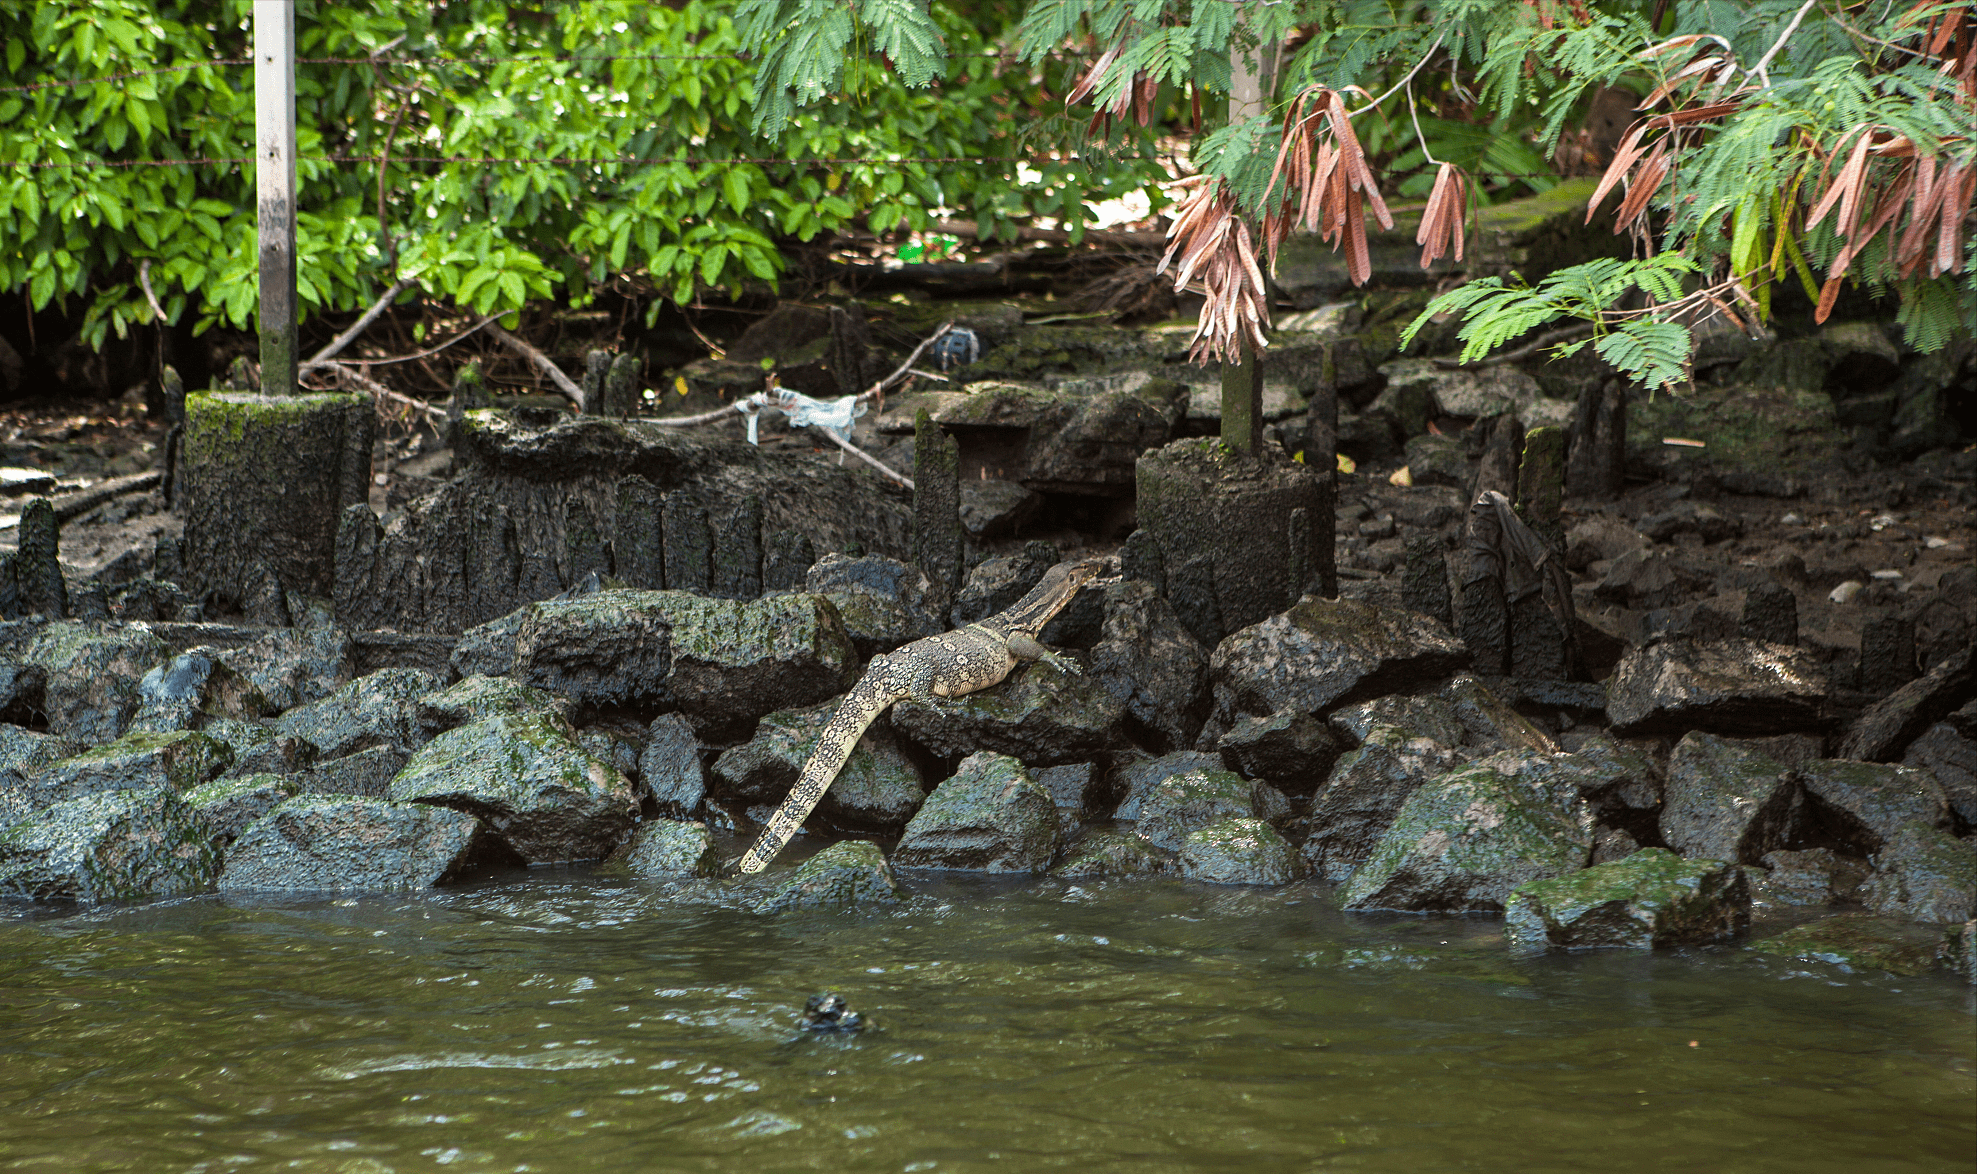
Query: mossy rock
x=1239 y=851
x=1858 y=941
x=113 y=846
x=1650 y=898
x=990 y=817
x=1104 y=855
x=666 y=848
x=848 y=874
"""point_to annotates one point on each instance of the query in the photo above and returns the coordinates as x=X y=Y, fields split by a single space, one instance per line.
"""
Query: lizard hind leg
x=1029 y=648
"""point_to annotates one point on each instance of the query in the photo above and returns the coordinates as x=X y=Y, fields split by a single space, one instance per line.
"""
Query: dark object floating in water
x=957 y=348
x=827 y=1011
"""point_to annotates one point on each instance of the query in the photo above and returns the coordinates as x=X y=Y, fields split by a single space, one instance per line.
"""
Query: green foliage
x=638 y=174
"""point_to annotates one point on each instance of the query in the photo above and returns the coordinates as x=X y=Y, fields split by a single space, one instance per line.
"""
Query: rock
x=92 y=674
x=1137 y=779
x=1646 y=579
x=295 y=666
x=1238 y=851
x=1367 y=788
x=333 y=843
x=473 y=698
x=1038 y=714
x=1622 y=780
x=1729 y=687
x=1611 y=844
x=883 y=602
x=179 y=760
x=879 y=788
x=848 y=874
x=1326 y=652
x=670 y=767
x=1886 y=728
x=130 y=845
x=229 y=805
x=1811 y=876
x=1599 y=537
x=527 y=777
x=376 y=710
x=23 y=754
x=1651 y=898
x=997 y=508
x=1958 y=951
x=1183 y=803
x=614 y=745
x=1148 y=661
x=1490 y=724
x=1471 y=392
x=1076 y=788
x=667 y=847
x=1728 y=800
x=191 y=687
x=1952 y=759
x=990 y=817
x=367 y=773
x=1856 y=941
x=488 y=649
x=1384 y=718
x=721 y=662
x=22 y=688
x=1435 y=459
x=1691 y=517
x=1464 y=840
x=995 y=583
x=1291 y=750
x=1863 y=804
x=1923 y=873
x=1103 y=855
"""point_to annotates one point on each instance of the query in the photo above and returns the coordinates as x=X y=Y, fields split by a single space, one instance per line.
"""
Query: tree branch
x=542 y=363
x=144 y=279
x=1553 y=338
x=1758 y=69
x=322 y=357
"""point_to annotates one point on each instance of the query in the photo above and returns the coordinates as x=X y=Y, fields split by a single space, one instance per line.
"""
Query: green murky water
x=558 y=1022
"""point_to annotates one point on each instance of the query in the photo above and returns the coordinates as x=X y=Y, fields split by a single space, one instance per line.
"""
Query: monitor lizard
x=930 y=671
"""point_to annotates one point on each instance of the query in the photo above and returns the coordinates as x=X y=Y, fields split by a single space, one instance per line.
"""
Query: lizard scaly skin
x=931 y=671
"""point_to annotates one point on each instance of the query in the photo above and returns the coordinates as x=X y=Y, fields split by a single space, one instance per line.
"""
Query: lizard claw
x=1062 y=663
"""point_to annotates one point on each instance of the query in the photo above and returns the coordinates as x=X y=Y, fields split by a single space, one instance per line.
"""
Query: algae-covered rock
x=1366 y=789
x=1104 y=854
x=1238 y=851
x=1858 y=941
x=882 y=602
x=1181 y=804
x=192 y=687
x=847 y=874
x=367 y=773
x=526 y=776
x=722 y=662
x=92 y=672
x=23 y=754
x=1138 y=777
x=295 y=666
x=1811 y=876
x=1146 y=658
x=670 y=768
x=1488 y=723
x=1651 y=898
x=1924 y=874
x=879 y=787
x=667 y=847
x=330 y=843
x=1398 y=719
x=179 y=760
x=258 y=749
x=1038 y=714
x=380 y=709
x=1076 y=787
x=1323 y=652
x=1958 y=951
x=488 y=649
x=1731 y=686
x=990 y=817
x=1867 y=803
x=230 y=804
x=476 y=697
x=110 y=846
x=1464 y=840
x=1727 y=800
x=1292 y=750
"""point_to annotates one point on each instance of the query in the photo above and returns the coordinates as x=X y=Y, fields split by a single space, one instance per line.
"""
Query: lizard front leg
x=1029 y=648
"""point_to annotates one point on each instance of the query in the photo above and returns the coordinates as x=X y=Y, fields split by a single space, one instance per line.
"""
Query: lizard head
x=1052 y=593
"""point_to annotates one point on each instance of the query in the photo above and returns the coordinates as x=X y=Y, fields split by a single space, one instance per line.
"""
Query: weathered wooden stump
x=937 y=533
x=263 y=483
x=1424 y=586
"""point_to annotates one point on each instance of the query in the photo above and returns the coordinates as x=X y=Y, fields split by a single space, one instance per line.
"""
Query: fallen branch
x=542 y=364
x=144 y=279
x=69 y=506
x=336 y=345
x=877 y=389
x=868 y=458
x=350 y=372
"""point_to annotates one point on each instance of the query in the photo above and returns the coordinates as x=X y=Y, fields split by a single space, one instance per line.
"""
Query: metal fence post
x=274 y=183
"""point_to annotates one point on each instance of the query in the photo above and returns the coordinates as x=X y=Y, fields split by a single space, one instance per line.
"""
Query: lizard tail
x=860 y=708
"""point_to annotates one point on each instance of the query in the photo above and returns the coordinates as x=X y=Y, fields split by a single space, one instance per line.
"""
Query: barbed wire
x=77 y=83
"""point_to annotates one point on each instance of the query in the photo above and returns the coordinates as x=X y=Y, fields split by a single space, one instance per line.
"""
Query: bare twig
x=431 y=351
x=350 y=372
x=1403 y=81
x=1552 y=338
x=322 y=357
x=144 y=279
x=868 y=458
x=1757 y=70
x=542 y=363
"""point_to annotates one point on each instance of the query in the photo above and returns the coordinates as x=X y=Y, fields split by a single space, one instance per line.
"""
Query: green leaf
x=735 y=184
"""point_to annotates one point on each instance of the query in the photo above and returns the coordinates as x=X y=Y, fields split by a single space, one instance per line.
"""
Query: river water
x=559 y=1021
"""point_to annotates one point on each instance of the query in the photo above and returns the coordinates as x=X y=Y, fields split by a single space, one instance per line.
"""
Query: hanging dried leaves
x=1137 y=96
x=1441 y=220
x=1212 y=241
